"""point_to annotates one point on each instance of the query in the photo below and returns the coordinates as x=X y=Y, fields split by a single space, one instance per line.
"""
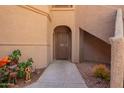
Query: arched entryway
x=62 y=43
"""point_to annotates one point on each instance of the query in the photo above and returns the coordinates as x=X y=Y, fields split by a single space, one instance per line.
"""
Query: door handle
x=61 y=45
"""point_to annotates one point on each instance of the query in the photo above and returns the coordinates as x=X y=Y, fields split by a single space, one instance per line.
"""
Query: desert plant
x=10 y=64
x=21 y=72
x=101 y=71
x=3 y=75
x=15 y=55
x=22 y=66
x=3 y=85
x=29 y=62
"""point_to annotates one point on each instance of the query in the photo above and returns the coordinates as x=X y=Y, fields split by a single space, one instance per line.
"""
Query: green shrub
x=3 y=75
x=3 y=85
x=13 y=65
x=101 y=71
x=16 y=54
x=22 y=66
x=21 y=71
x=29 y=62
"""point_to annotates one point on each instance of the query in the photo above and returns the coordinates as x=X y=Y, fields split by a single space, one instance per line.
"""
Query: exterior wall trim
x=33 y=9
x=24 y=44
x=62 y=9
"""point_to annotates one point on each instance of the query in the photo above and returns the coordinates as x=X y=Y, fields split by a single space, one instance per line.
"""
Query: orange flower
x=4 y=61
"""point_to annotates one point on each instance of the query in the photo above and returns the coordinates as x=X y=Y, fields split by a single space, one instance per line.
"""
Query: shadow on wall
x=93 y=49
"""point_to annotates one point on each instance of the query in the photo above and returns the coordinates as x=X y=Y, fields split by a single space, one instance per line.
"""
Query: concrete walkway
x=60 y=74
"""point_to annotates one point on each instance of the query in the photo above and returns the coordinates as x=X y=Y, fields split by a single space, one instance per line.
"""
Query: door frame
x=70 y=37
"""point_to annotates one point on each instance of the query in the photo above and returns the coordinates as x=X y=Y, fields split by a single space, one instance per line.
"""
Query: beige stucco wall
x=92 y=49
x=66 y=18
x=97 y=20
x=44 y=8
x=33 y=33
x=25 y=30
x=49 y=26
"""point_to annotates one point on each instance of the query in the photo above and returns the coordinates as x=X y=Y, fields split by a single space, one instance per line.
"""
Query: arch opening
x=62 y=43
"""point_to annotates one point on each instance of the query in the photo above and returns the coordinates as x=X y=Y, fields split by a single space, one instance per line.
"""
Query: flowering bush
x=11 y=69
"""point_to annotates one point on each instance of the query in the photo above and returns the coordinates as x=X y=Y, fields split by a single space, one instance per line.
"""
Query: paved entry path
x=60 y=74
